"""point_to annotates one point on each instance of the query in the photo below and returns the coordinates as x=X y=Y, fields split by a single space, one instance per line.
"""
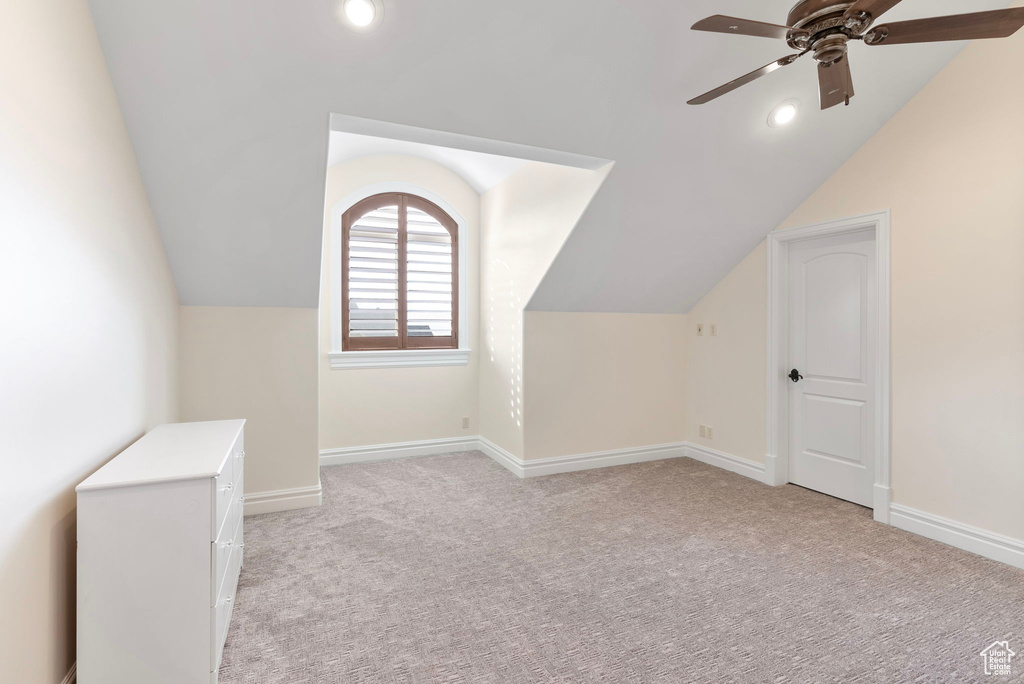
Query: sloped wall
x=89 y=316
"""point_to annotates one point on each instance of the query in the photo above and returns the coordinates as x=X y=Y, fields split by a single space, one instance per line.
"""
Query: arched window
x=399 y=279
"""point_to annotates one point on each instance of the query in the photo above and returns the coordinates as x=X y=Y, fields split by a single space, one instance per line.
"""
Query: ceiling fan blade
x=993 y=24
x=743 y=80
x=743 y=27
x=875 y=8
x=835 y=83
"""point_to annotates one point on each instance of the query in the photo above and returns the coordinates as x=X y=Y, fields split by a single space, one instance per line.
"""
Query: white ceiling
x=481 y=171
x=228 y=103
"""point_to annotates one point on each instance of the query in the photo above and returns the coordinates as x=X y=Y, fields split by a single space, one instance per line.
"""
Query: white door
x=832 y=348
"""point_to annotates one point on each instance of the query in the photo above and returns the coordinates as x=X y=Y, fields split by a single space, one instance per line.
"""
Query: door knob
x=795 y=376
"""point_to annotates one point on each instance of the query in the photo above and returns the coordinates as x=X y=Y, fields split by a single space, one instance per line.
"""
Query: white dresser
x=159 y=553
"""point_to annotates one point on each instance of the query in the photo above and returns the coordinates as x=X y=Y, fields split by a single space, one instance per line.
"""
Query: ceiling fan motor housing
x=830 y=49
x=827 y=25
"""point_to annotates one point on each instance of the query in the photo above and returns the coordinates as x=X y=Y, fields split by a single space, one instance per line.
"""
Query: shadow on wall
x=503 y=333
x=525 y=221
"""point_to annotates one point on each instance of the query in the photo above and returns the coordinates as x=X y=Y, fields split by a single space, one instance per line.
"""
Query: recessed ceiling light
x=783 y=114
x=362 y=15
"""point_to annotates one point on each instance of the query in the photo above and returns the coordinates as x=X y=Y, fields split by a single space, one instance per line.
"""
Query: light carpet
x=448 y=569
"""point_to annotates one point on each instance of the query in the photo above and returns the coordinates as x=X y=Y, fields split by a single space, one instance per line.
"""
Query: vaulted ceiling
x=227 y=104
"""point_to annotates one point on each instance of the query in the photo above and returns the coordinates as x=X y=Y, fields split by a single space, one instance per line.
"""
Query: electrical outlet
x=465 y=423
x=700 y=328
x=711 y=432
x=714 y=330
x=703 y=431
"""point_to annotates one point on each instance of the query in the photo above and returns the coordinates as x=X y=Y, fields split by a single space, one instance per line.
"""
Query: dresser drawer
x=230 y=538
x=238 y=460
x=229 y=582
x=223 y=606
x=240 y=504
x=223 y=494
x=228 y=485
x=239 y=484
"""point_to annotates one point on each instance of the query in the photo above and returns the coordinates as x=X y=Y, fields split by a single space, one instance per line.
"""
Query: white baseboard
x=387 y=452
x=513 y=463
x=982 y=542
x=602 y=459
x=283 y=500
x=542 y=466
x=720 y=459
x=569 y=464
x=72 y=674
x=518 y=467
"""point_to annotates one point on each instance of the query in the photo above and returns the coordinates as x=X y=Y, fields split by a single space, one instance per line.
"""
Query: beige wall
x=380 y=406
x=725 y=374
x=258 y=364
x=950 y=168
x=89 y=312
x=597 y=381
x=525 y=220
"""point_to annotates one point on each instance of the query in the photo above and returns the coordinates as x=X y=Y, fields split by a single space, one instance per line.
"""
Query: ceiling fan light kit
x=824 y=28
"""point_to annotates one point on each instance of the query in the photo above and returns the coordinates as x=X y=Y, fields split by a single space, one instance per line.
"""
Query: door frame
x=777 y=418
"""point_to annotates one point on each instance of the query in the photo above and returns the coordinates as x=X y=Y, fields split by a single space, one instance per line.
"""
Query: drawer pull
x=242 y=499
x=228 y=544
x=240 y=454
x=227 y=488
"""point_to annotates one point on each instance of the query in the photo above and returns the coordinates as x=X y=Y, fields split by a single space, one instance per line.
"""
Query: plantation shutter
x=431 y=276
x=399 y=275
x=372 y=259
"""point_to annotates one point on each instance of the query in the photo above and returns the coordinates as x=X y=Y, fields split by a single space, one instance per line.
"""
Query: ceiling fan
x=825 y=27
